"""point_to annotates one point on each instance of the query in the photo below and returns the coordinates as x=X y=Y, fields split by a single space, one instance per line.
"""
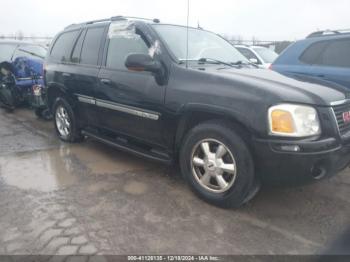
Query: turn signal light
x=282 y=121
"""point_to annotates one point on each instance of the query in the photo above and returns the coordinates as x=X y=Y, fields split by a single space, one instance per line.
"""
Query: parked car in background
x=259 y=55
x=24 y=61
x=140 y=86
x=324 y=55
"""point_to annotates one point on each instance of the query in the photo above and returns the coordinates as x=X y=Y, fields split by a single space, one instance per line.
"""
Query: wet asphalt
x=89 y=198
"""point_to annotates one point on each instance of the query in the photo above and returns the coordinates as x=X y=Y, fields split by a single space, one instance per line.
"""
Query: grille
x=338 y=111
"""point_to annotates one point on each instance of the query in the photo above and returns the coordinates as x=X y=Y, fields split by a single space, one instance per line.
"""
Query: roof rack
x=114 y=18
x=329 y=33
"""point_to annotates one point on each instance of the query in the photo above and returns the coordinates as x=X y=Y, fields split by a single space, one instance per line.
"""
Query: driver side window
x=248 y=54
x=120 y=47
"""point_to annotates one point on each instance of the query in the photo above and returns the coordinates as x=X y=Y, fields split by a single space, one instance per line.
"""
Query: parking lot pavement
x=88 y=198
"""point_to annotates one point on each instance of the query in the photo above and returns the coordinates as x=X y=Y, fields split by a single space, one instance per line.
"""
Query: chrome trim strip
x=129 y=110
x=28 y=78
x=340 y=102
x=118 y=107
x=336 y=120
x=86 y=99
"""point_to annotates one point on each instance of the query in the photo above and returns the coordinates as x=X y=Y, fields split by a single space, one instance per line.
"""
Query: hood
x=296 y=89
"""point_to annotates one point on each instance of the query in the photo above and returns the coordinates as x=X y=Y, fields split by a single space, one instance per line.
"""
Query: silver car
x=259 y=55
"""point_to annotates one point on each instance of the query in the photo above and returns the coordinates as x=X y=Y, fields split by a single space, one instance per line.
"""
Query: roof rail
x=329 y=33
x=114 y=18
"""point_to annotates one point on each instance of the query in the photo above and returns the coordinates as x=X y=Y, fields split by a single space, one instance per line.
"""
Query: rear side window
x=312 y=55
x=337 y=54
x=63 y=46
x=6 y=52
x=77 y=48
x=91 y=46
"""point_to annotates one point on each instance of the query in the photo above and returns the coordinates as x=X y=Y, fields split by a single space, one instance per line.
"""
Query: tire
x=65 y=122
x=38 y=112
x=43 y=113
x=205 y=174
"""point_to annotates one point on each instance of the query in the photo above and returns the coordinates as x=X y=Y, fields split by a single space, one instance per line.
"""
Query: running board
x=125 y=146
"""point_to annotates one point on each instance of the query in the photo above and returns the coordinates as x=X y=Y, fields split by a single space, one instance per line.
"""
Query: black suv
x=137 y=85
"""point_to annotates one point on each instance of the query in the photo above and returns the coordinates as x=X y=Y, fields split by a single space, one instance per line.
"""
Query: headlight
x=293 y=120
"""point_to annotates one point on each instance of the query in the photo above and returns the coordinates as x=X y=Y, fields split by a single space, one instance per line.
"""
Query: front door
x=129 y=103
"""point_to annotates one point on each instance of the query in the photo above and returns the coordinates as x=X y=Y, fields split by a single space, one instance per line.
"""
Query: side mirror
x=142 y=62
x=254 y=60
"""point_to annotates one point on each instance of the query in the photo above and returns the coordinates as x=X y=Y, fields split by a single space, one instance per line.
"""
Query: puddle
x=102 y=159
x=135 y=188
x=43 y=171
x=54 y=169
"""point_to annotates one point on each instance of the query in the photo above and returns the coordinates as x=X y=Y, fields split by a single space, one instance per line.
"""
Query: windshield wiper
x=240 y=62
x=207 y=60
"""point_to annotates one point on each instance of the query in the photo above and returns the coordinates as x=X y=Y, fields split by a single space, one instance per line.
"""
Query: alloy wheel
x=213 y=165
x=63 y=122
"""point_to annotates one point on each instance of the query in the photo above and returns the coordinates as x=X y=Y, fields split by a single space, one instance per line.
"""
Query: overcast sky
x=264 y=19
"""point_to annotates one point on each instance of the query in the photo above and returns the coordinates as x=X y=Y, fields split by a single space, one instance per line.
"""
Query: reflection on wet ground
x=57 y=168
x=43 y=171
x=88 y=198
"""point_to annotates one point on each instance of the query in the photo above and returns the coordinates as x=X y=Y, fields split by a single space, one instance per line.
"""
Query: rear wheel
x=65 y=121
x=217 y=164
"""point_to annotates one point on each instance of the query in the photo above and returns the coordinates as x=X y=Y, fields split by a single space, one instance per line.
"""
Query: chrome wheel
x=213 y=166
x=63 y=121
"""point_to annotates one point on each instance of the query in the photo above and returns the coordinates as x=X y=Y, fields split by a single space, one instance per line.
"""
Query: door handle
x=65 y=74
x=106 y=81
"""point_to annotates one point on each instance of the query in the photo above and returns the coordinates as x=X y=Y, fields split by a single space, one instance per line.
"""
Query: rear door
x=328 y=60
x=85 y=65
x=334 y=63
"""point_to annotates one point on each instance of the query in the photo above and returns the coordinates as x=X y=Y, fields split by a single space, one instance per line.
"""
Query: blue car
x=324 y=55
x=24 y=61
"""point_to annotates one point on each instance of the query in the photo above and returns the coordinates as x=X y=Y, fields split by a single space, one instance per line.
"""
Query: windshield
x=201 y=44
x=266 y=54
x=6 y=52
x=34 y=51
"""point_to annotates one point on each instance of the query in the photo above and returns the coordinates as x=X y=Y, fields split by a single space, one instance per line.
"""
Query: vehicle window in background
x=77 y=48
x=313 y=53
x=119 y=48
x=266 y=54
x=63 y=46
x=31 y=51
x=247 y=53
x=202 y=44
x=6 y=51
x=91 y=46
x=337 y=54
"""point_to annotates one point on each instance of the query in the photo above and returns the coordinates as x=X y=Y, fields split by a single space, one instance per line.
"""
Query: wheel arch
x=195 y=114
x=55 y=90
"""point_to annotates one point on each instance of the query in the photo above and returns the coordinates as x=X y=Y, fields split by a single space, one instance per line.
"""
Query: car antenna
x=188 y=18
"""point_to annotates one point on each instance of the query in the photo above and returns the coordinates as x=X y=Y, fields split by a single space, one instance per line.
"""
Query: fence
x=278 y=46
x=45 y=40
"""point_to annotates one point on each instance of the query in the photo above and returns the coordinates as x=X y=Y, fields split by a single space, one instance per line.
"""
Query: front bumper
x=276 y=162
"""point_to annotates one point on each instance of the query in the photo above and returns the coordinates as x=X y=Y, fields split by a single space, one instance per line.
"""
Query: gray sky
x=265 y=19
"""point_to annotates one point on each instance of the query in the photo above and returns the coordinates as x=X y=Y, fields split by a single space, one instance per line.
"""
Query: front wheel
x=65 y=121
x=217 y=164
